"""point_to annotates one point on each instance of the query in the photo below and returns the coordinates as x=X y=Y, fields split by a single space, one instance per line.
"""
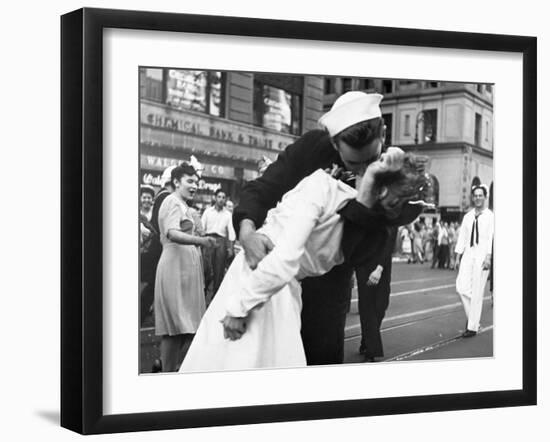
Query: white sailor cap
x=349 y=109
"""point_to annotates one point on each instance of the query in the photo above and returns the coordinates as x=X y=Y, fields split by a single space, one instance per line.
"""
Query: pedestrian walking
x=417 y=244
x=435 y=241
x=424 y=237
x=406 y=244
x=428 y=243
x=474 y=252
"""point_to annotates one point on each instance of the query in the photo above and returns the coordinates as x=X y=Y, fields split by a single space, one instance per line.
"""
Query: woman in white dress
x=254 y=319
x=406 y=245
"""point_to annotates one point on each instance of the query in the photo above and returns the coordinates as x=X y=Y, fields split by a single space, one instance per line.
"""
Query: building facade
x=230 y=122
x=451 y=124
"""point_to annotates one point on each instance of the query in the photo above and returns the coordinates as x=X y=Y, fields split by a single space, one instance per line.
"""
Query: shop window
x=479 y=88
x=346 y=85
x=407 y=125
x=409 y=85
x=429 y=118
x=388 y=122
x=277 y=109
x=432 y=84
x=150 y=82
x=329 y=85
x=489 y=88
x=290 y=83
x=387 y=86
x=201 y=91
x=366 y=84
x=477 y=133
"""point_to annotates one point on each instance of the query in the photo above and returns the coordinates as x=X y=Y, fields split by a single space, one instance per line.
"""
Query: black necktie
x=474 y=228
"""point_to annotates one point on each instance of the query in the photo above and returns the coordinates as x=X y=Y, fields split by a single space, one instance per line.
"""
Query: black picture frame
x=82 y=214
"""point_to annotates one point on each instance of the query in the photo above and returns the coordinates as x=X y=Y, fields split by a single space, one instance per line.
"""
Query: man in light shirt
x=474 y=249
x=217 y=223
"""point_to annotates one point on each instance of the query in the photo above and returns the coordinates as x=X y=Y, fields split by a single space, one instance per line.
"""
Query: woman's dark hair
x=362 y=133
x=408 y=182
x=182 y=169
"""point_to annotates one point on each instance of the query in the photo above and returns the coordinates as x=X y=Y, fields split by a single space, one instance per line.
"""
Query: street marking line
x=355 y=330
x=411 y=292
x=427 y=289
x=408 y=315
x=433 y=346
x=419 y=280
x=416 y=321
x=351 y=328
x=423 y=312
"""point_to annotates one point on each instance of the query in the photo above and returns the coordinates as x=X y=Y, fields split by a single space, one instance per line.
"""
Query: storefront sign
x=153 y=162
x=212 y=127
x=158 y=163
x=154 y=179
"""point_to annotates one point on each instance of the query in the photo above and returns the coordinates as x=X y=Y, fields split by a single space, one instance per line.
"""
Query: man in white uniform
x=473 y=255
x=217 y=223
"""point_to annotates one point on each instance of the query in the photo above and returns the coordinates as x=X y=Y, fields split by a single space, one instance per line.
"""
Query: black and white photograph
x=243 y=221
x=285 y=221
x=289 y=220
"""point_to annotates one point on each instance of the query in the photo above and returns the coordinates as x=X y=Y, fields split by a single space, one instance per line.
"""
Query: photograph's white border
x=127 y=392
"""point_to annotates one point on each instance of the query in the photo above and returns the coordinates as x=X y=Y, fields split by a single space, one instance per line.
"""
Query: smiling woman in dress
x=179 y=285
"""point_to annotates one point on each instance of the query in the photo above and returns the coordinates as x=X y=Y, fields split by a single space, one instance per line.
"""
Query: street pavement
x=425 y=320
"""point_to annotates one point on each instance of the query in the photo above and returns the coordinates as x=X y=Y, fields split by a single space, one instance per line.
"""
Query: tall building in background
x=229 y=121
x=451 y=124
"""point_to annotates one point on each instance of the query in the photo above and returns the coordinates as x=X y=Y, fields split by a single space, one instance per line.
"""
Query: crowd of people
x=432 y=243
x=184 y=250
x=333 y=204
